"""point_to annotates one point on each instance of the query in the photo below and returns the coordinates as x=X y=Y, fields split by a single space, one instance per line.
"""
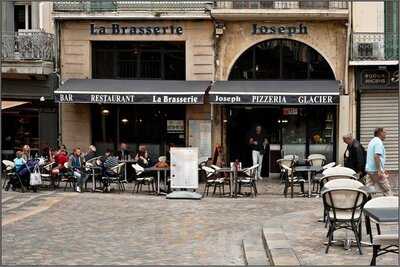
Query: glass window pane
x=294 y=60
x=267 y=60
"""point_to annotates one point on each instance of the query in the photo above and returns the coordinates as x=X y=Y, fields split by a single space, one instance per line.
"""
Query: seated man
x=76 y=162
x=108 y=161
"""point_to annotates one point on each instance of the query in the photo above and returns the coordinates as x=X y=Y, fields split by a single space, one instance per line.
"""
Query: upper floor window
x=22 y=17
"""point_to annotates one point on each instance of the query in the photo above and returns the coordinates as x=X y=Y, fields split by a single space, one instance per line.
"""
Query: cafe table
x=159 y=170
x=127 y=162
x=309 y=170
x=380 y=215
x=93 y=169
x=232 y=178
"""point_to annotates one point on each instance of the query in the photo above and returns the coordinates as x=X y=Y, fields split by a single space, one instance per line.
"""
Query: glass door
x=293 y=125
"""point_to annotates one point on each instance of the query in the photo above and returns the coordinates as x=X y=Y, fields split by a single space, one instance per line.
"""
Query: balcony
x=292 y=10
x=27 y=52
x=132 y=9
x=374 y=48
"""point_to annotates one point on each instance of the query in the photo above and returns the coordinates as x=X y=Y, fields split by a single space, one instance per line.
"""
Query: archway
x=283 y=59
x=291 y=129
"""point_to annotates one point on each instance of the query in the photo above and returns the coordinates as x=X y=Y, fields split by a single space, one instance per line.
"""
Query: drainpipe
x=348 y=47
x=57 y=71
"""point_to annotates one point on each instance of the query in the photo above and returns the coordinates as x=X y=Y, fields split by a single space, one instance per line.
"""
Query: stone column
x=7 y=16
x=35 y=15
x=344 y=126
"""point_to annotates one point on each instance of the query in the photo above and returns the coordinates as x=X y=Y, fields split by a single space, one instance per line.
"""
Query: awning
x=104 y=91
x=11 y=104
x=276 y=92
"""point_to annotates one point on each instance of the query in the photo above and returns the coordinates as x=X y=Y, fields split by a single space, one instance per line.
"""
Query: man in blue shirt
x=375 y=165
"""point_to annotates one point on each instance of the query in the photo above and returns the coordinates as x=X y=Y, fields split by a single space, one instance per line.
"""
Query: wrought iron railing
x=142 y=5
x=29 y=45
x=285 y=4
x=374 y=46
x=186 y=5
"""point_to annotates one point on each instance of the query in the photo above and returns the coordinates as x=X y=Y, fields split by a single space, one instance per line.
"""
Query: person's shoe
x=78 y=189
x=260 y=178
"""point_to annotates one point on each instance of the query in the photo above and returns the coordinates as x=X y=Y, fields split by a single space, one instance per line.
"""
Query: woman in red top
x=60 y=158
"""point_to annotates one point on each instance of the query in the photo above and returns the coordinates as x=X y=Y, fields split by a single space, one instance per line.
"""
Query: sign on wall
x=383 y=77
x=274 y=99
x=275 y=29
x=117 y=29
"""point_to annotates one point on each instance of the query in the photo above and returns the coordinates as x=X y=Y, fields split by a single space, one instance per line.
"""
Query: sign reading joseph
x=288 y=30
x=117 y=29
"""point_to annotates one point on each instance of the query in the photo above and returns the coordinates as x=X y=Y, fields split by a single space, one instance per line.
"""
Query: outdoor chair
x=337 y=181
x=283 y=174
x=291 y=181
x=338 y=170
x=225 y=178
x=67 y=176
x=248 y=179
x=142 y=180
x=45 y=174
x=344 y=208
x=383 y=243
x=9 y=172
x=317 y=178
x=213 y=181
x=115 y=176
x=291 y=157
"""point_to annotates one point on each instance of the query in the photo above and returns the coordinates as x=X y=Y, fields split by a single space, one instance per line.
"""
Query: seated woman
x=142 y=157
x=60 y=158
x=19 y=161
x=218 y=157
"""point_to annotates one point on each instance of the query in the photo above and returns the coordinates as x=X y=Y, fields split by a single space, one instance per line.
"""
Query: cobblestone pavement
x=96 y=228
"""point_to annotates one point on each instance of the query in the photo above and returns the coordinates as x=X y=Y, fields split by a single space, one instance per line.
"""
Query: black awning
x=105 y=91
x=276 y=92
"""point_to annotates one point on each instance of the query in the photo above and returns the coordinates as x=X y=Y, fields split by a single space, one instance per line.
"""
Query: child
x=19 y=161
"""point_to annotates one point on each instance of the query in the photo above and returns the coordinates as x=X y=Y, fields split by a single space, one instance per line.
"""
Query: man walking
x=375 y=165
x=354 y=156
x=257 y=142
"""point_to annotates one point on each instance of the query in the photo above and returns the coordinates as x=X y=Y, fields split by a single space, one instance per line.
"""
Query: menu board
x=200 y=136
x=184 y=167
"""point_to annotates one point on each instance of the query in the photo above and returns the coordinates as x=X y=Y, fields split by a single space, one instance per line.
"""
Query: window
x=281 y=59
x=139 y=60
x=22 y=17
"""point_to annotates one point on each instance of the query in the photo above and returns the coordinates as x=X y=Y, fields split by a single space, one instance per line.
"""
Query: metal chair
x=68 y=177
x=289 y=178
x=344 y=207
x=9 y=172
x=338 y=170
x=142 y=180
x=317 y=178
x=212 y=180
x=383 y=243
x=115 y=176
x=287 y=162
x=45 y=173
x=248 y=179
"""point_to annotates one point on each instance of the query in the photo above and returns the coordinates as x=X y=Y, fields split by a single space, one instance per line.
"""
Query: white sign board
x=184 y=167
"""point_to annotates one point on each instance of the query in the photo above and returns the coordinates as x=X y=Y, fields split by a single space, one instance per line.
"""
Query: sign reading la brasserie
x=117 y=29
x=128 y=98
x=275 y=99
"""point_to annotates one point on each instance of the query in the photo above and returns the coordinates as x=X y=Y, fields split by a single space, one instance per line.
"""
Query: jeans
x=257 y=159
x=80 y=178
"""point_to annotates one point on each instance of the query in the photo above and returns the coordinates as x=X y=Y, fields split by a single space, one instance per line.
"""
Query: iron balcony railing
x=27 y=45
x=143 y=5
x=285 y=4
x=191 y=5
x=374 y=46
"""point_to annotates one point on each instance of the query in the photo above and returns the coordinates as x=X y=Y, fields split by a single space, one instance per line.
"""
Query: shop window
x=136 y=124
x=20 y=126
x=281 y=59
x=139 y=60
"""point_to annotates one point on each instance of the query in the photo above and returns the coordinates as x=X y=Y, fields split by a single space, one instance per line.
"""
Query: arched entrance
x=291 y=129
x=281 y=59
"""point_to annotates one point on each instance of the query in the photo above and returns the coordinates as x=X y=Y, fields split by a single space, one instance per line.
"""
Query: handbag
x=35 y=177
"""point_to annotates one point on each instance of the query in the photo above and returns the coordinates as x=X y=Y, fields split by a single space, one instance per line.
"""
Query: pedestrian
x=258 y=142
x=354 y=156
x=375 y=165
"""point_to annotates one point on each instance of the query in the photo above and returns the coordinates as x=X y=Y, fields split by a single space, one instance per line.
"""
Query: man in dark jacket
x=354 y=156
